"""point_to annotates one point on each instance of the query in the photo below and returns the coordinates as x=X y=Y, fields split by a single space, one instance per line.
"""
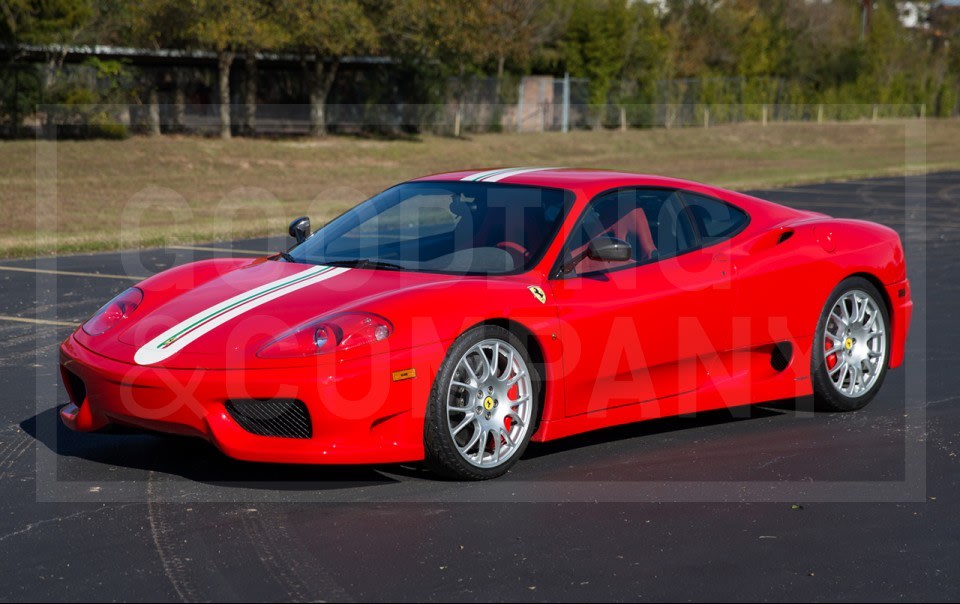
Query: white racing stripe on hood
x=180 y=335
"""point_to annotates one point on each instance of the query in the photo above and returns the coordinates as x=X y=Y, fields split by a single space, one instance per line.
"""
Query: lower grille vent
x=286 y=418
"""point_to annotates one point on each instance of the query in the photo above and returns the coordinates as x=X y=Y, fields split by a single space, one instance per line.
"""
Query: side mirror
x=300 y=229
x=609 y=249
x=604 y=249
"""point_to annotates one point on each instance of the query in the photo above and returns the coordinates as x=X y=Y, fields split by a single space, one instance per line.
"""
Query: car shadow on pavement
x=197 y=460
x=190 y=458
x=671 y=424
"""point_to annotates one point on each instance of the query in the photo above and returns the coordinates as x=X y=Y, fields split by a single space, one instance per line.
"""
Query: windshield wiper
x=366 y=263
x=286 y=257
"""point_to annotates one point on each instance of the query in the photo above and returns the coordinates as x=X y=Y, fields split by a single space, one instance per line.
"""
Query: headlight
x=338 y=332
x=113 y=312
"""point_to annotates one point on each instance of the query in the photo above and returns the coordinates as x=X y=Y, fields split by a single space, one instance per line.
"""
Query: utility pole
x=520 y=107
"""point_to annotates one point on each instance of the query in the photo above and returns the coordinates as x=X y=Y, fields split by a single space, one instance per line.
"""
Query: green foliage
x=207 y=24
x=737 y=53
x=593 y=45
x=162 y=23
x=81 y=113
x=448 y=33
x=21 y=91
x=43 y=21
x=327 y=28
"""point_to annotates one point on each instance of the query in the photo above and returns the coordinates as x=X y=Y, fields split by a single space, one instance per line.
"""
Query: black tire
x=442 y=453
x=827 y=396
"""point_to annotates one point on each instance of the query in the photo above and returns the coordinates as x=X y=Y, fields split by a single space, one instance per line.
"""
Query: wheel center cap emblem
x=488 y=403
x=848 y=343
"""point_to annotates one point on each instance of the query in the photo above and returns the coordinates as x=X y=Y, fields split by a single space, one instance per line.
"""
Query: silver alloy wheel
x=489 y=404
x=855 y=337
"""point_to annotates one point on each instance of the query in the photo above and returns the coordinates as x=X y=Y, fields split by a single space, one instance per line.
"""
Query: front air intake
x=283 y=417
x=76 y=389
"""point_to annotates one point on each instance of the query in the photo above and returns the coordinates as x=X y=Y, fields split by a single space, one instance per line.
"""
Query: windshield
x=443 y=227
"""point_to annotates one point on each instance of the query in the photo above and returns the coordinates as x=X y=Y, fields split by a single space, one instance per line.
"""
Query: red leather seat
x=490 y=227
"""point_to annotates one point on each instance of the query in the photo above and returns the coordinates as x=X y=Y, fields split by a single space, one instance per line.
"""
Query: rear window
x=714 y=219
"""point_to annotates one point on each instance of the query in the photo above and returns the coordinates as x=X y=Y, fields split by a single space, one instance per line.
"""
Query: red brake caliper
x=512 y=394
x=832 y=358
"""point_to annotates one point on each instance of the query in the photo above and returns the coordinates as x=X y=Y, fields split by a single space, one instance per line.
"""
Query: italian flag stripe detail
x=217 y=311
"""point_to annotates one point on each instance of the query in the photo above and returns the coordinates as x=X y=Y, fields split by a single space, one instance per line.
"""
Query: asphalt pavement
x=772 y=502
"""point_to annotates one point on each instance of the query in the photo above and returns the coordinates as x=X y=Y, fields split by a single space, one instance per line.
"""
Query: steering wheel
x=519 y=253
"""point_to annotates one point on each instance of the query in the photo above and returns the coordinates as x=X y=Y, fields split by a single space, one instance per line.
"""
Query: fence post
x=763 y=118
x=874 y=118
x=923 y=110
x=179 y=102
x=706 y=117
x=623 y=118
x=565 y=120
x=16 y=101
x=541 y=105
x=820 y=113
x=456 y=120
x=520 y=108
x=154 y=110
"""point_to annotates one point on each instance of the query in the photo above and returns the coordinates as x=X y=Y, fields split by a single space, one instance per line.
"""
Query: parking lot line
x=36 y=321
x=22 y=269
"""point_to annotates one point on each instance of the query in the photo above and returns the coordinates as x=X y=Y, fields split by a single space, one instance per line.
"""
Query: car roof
x=589 y=182
x=572 y=178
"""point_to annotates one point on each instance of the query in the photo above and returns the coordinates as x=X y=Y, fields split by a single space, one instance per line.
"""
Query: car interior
x=650 y=220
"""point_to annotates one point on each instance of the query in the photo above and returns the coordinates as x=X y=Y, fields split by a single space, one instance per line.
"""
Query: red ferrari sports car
x=456 y=317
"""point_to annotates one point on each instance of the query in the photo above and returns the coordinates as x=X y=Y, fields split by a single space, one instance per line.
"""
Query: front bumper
x=358 y=413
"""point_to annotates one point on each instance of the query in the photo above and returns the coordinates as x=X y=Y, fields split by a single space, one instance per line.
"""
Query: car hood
x=218 y=314
x=222 y=317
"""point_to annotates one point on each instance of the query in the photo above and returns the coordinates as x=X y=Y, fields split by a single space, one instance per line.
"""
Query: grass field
x=98 y=195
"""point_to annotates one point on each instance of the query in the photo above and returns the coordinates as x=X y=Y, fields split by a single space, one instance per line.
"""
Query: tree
x=324 y=32
x=593 y=44
x=262 y=31
x=51 y=23
x=226 y=28
x=645 y=53
x=163 y=24
x=449 y=34
x=514 y=29
x=944 y=21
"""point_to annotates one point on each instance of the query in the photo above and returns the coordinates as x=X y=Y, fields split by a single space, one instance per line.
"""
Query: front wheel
x=483 y=405
x=851 y=347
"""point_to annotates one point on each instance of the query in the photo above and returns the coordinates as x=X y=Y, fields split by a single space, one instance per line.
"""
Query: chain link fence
x=88 y=101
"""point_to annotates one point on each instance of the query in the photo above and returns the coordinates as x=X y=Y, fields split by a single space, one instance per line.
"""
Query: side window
x=714 y=219
x=652 y=221
x=672 y=233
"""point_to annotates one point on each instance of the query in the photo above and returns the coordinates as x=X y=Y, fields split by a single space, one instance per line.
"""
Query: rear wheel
x=851 y=347
x=483 y=405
